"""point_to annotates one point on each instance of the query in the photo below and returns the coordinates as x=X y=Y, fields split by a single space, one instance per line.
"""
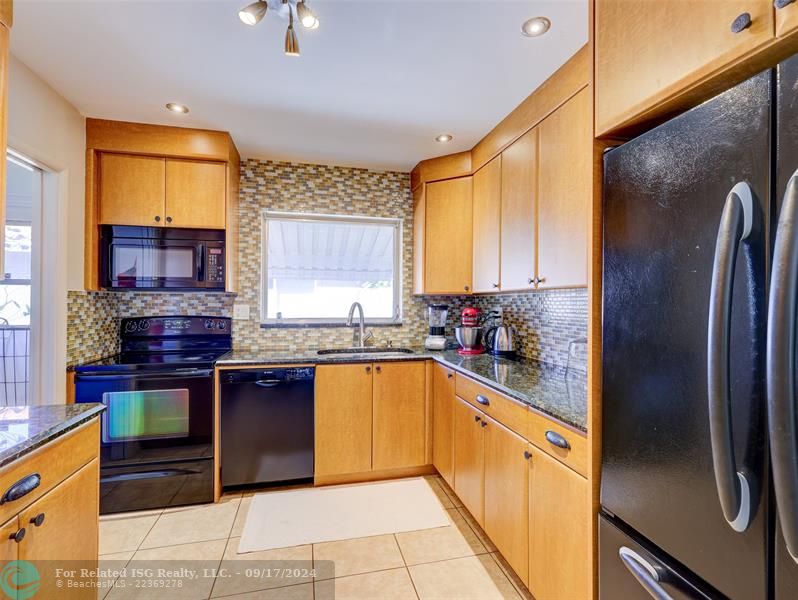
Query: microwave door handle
x=201 y=250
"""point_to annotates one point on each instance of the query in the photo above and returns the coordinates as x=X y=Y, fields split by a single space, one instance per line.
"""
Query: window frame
x=396 y=223
x=28 y=282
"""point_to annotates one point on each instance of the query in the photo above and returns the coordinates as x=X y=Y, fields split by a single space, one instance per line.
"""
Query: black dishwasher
x=266 y=425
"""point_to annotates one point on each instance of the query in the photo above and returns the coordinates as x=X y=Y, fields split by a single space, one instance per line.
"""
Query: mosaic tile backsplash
x=546 y=322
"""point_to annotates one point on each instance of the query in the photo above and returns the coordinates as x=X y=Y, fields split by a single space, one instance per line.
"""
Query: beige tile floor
x=456 y=562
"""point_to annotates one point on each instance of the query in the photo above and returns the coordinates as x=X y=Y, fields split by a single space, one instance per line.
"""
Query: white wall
x=46 y=128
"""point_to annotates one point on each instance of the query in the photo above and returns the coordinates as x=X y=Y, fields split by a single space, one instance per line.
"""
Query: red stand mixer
x=469 y=333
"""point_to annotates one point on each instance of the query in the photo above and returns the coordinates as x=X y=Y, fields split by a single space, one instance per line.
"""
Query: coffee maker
x=436 y=340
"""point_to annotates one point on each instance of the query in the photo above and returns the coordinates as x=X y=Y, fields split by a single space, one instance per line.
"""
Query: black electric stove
x=157 y=432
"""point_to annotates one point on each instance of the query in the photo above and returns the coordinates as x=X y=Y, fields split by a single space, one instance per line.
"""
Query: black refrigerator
x=699 y=488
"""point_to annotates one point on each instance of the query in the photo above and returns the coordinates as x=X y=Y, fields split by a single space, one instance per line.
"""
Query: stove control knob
x=130 y=327
x=222 y=325
x=144 y=325
x=208 y=324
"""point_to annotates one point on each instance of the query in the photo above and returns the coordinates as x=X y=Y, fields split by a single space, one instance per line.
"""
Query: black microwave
x=161 y=258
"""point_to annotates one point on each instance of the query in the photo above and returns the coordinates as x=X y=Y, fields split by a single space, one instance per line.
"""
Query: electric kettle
x=500 y=341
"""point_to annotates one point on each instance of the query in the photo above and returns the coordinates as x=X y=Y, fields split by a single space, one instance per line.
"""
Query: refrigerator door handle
x=780 y=369
x=646 y=574
x=734 y=486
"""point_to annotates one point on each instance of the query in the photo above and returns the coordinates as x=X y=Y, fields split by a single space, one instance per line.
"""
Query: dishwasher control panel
x=273 y=376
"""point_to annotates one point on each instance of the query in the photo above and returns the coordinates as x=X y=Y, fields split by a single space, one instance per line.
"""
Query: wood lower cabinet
x=507 y=495
x=195 y=194
x=63 y=526
x=343 y=419
x=487 y=226
x=399 y=417
x=564 y=194
x=469 y=458
x=132 y=190
x=647 y=52
x=447 y=237
x=518 y=213
x=443 y=400
x=559 y=537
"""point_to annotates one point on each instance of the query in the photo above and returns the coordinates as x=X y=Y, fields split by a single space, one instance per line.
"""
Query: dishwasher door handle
x=268 y=383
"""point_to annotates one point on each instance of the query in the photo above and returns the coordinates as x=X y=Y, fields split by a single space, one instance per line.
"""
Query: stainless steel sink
x=381 y=350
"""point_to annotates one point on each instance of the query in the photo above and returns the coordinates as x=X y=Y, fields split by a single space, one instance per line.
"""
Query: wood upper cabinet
x=447 y=239
x=647 y=52
x=507 y=495
x=487 y=225
x=132 y=190
x=559 y=509
x=195 y=194
x=469 y=458
x=343 y=419
x=443 y=422
x=419 y=222
x=564 y=194
x=64 y=524
x=400 y=416
x=519 y=176
x=786 y=19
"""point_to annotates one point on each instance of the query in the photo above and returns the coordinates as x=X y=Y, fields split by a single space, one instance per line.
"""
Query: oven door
x=153 y=264
x=152 y=417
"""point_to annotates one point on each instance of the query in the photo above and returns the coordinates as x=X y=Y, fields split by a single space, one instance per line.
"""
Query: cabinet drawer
x=53 y=463
x=508 y=412
x=574 y=455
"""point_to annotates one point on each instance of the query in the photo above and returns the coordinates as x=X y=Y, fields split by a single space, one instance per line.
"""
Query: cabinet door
x=343 y=419
x=443 y=422
x=507 y=495
x=419 y=221
x=8 y=547
x=400 y=416
x=447 y=243
x=564 y=196
x=195 y=194
x=559 y=518
x=469 y=458
x=132 y=190
x=786 y=19
x=649 y=51
x=518 y=208
x=68 y=529
x=487 y=224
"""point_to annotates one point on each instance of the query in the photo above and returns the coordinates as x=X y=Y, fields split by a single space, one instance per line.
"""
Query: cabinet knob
x=527 y=455
x=541 y=280
x=38 y=520
x=368 y=369
x=449 y=375
x=157 y=219
x=484 y=423
x=18 y=535
x=779 y=4
x=531 y=281
x=466 y=288
x=477 y=418
x=168 y=219
x=496 y=286
x=378 y=369
x=742 y=22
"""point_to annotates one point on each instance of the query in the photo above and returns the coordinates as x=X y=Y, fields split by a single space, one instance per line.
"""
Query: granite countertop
x=25 y=428
x=547 y=388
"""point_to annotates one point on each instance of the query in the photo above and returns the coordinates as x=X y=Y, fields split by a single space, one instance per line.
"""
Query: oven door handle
x=184 y=374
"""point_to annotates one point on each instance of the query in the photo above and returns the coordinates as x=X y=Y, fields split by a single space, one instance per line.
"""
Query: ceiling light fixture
x=290 y=9
x=178 y=108
x=443 y=138
x=252 y=14
x=535 y=26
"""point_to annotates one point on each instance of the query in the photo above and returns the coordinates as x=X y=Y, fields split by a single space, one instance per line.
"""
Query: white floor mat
x=313 y=515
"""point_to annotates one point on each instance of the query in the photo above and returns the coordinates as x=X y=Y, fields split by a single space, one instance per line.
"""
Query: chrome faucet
x=359 y=335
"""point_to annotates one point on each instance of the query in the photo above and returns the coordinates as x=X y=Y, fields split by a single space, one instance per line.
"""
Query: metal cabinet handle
x=558 y=440
x=38 y=520
x=21 y=488
x=734 y=486
x=18 y=535
x=646 y=574
x=741 y=23
x=267 y=383
x=483 y=400
x=780 y=369
x=779 y=4
x=157 y=218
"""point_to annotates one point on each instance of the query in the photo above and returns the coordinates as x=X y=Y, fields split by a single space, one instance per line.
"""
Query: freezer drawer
x=631 y=571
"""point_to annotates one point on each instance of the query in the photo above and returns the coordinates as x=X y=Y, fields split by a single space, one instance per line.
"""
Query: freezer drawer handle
x=646 y=574
x=734 y=486
x=780 y=367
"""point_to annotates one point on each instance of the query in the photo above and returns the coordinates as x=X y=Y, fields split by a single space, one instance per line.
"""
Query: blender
x=436 y=340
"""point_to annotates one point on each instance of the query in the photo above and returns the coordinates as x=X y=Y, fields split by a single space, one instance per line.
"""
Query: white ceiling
x=374 y=85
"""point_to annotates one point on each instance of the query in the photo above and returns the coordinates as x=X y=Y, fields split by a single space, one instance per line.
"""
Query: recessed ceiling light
x=535 y=26
x=178 y=108
x=443 y=138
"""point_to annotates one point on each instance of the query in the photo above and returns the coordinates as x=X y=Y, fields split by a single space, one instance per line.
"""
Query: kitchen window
x=315 y=266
